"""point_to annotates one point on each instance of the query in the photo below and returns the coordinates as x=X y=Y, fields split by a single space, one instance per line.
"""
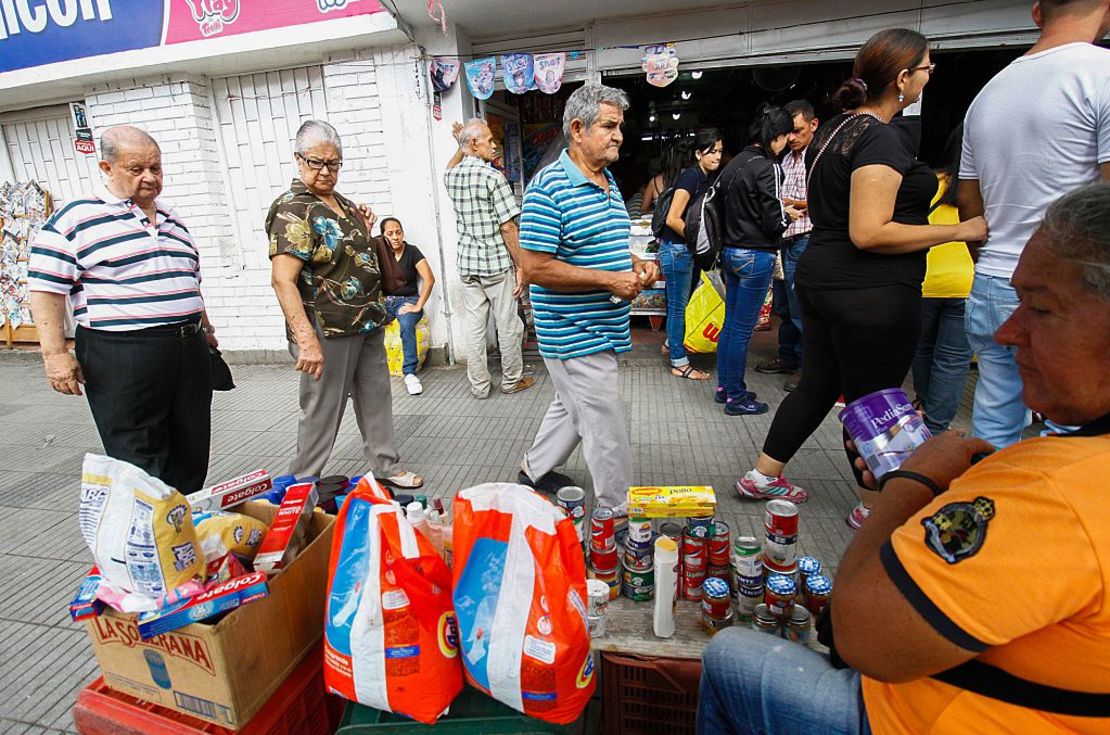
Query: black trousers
x=150 y=392
x=856 y=341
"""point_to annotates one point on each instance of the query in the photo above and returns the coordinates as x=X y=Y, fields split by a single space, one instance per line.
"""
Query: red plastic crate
x=648 y=695
x=298 y=707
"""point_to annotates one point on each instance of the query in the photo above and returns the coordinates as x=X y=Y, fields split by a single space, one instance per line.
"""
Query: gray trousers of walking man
x=354 y=366
x=587 y=410
x=481 y=294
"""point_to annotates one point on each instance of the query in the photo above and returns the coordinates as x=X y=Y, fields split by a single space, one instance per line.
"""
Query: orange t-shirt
x=1013 y=561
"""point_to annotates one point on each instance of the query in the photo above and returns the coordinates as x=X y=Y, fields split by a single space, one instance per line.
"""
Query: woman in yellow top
x=943 y=356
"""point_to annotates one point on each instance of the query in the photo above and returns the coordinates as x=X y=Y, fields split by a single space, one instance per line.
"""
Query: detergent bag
x=520 y=591
x=390 y=638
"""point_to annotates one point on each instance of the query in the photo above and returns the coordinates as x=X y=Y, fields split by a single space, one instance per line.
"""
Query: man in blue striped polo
x=132 y=271
x=574 y=233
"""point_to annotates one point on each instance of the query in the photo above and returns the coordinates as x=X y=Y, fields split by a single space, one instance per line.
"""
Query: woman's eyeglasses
x=924 y=67
x=318 y=165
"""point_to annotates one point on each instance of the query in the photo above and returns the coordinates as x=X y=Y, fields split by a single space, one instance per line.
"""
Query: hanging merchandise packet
x=139 y=529
x=520 y=591
x=390 y=637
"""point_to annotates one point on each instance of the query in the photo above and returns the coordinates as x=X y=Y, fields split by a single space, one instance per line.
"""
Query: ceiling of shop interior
x=481 y=17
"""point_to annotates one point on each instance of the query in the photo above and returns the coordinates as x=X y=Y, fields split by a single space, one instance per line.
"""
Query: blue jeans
x=998 y=415
x=753 y=682
x=941 y=363
x=408 y=329
x=747 y=275
x=678 y=268
x=790 y=329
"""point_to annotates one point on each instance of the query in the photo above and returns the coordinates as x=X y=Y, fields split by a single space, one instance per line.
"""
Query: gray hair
x=585 y=103
x=1077 y=227
x=313 y=133
x=471 y=130
x=121 y=136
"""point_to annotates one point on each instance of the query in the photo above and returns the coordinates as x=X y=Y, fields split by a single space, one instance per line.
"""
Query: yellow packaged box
x=225 y=672
x=671 y=501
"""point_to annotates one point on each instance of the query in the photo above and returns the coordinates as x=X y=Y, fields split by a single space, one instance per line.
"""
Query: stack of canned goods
x=780 y=542
x=718 y=552
x=695 y=556
x=638 y=579
x=604 y=560
x=573 y=500
x=716 y=605
x=747 y=572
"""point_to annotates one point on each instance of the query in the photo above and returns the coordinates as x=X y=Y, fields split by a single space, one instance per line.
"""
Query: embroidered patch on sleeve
x=958 y=530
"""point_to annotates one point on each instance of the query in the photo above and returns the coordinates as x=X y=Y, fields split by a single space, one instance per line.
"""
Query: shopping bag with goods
x=520 y=591
x=705 y=315
x=390 y=637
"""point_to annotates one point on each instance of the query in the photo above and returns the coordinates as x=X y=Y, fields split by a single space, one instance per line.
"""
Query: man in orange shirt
x=975 y=599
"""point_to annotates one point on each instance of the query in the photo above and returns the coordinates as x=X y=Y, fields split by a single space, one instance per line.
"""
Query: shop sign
x=82 y=131
x=38 y=32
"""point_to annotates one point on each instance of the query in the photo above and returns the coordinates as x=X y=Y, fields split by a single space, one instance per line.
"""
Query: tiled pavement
x=678 y=435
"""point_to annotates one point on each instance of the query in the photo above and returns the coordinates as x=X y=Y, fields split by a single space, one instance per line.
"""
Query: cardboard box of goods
x=224 y=672
x=671 y=501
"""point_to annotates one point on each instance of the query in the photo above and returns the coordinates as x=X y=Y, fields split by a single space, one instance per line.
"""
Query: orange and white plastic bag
x=390 y=638
x=520 y=594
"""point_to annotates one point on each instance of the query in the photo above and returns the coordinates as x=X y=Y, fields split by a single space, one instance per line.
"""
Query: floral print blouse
x=340 y=283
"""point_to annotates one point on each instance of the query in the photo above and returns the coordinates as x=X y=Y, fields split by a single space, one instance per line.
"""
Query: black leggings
x=857 y=341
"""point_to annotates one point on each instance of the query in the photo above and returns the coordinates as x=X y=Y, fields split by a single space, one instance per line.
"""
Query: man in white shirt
x=1054 y=105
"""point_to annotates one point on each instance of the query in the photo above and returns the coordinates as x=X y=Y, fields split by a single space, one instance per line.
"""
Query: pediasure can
x=718 y=544
x=603 y=531
x=885 y=428
x=573 y=500
x=780 y=544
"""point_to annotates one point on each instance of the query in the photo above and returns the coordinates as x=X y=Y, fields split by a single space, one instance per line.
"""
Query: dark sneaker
x=774 y=367
x=550 y=483
x=745 y=406
x=792 y=382
x=722 y=398
x=523 y=384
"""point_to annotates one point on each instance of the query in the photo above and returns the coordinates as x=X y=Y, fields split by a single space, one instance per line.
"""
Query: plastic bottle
x=433 y=531
x=666 y=583
x=414 y=514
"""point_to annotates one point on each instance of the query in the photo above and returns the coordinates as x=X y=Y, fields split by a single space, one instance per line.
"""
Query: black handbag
x=221 y=373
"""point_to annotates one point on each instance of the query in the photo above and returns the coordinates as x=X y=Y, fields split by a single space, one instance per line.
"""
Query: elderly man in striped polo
x=133 y=273
x=574 y=238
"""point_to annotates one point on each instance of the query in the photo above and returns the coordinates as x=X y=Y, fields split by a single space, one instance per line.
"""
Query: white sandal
x=407 y=480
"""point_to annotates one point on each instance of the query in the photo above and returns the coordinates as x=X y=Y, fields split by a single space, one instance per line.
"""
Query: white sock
x=759 y=478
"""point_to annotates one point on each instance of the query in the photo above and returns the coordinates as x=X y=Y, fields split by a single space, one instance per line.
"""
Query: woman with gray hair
x=326 y=275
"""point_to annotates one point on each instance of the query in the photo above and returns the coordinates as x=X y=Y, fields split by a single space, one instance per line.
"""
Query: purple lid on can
x=781 y=585
x=819 y=584
x=808 y=565
x=715 y=587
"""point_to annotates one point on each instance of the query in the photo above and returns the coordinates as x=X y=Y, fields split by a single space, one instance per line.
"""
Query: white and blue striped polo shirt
x=568 y=215
x=120 y=272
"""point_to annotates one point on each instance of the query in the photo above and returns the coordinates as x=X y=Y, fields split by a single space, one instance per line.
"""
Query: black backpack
x=659 y=214
x=705 y=222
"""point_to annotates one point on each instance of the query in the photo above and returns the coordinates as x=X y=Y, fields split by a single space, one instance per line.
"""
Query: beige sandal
x=406 y=480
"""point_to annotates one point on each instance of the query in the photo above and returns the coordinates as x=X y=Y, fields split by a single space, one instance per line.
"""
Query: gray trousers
x=480 y=295
x=353 y=366
x=587 y=409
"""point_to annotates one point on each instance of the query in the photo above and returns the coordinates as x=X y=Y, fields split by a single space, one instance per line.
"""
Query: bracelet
x=915 y=476
x=209 y=329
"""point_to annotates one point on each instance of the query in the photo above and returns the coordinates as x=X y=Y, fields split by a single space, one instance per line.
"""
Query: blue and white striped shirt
x=121 y=272
x=573 y=218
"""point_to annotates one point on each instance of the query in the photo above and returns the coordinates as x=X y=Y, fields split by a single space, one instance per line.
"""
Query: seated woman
x=406 y=304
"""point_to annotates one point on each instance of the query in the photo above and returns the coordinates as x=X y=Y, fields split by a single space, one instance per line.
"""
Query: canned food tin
x=780 y=550
x=808 y=565
x=692 y=587
x=699 y=522
x=671 y=530
x=639 y=531
x=604 y=560
x=818 y=589
x=719 y=546
x=747 y=599
x=603 y=530
x=610 y=577
x=748 y=566
x=713 y=625
x=746 y=546
x=573 y=500
x=797 y=627
x=638 y=563
x=694 y=554
x=598 y=593
x=596 y=625
x=779 y=594
x=781 y=518
x=743 y=580
x=639 y=586
x=763 y=620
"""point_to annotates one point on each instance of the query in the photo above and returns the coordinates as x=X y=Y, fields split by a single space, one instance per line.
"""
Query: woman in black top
x=675 y=259
x=859 y=283
x=754 y=220
x=406 y=304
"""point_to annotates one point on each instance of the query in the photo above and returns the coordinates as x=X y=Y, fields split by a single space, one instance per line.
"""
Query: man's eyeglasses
x=318 y=165
x=925 y=67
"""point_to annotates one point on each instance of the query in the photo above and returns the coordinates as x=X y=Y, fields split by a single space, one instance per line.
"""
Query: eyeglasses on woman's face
x=317 y=164
x=924 y=67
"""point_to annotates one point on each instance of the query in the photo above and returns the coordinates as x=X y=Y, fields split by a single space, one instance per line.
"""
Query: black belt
x=184 y=330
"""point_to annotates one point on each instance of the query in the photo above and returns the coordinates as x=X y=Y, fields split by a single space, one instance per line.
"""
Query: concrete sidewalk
x=679 y=436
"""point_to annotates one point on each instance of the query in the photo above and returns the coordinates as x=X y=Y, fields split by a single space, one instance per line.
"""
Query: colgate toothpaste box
x=221 y=598
x=231 y=493
x=85 y=605
x=286 y=536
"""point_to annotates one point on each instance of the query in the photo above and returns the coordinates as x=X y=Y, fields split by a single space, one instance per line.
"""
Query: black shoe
x=550 y=483
x=745 y=407
x=722 y=398
x=792 y=382
x=774 y=367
